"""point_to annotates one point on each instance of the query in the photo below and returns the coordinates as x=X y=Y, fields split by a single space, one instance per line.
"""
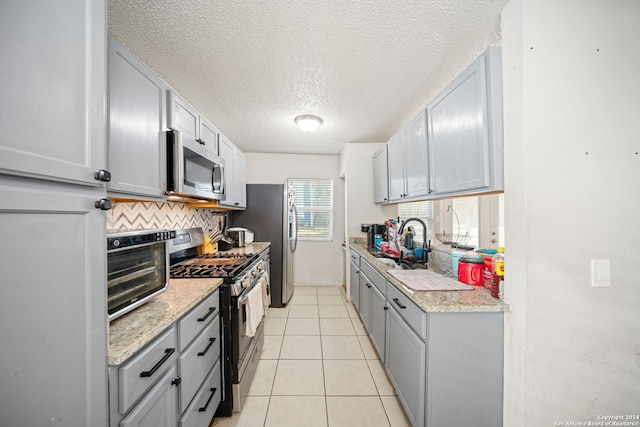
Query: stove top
x=211 y=265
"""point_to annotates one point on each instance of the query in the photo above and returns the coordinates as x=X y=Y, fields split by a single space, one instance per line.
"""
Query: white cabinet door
x=182 y=116
x=380 y=176
x=137 y=121
x=355 y=285
x=53 y=308
x=53 y=89
x=414 y=137
x=465 y=130
x=208 y=135
x=395 y=160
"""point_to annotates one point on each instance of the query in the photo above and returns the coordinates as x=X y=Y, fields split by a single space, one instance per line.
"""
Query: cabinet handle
x=237 y=203
x=200 y=141
x=385 y=308
x=203 y=352
x=368 y=285
x=102 y=175
x=209 y=313
x=399 y=304
x=176 y=381
x=167 y=354
x=103 y=204
x=213 y=393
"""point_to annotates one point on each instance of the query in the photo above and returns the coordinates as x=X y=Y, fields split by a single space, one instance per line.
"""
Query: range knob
x=246 y=283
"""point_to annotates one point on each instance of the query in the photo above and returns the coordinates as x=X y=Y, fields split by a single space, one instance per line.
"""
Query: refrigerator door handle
x=295 y=229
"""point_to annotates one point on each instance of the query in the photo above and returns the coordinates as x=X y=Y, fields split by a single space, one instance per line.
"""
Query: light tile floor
x=318 y=368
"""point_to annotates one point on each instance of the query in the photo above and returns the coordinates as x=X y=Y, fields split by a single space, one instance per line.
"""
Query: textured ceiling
x=366 y=67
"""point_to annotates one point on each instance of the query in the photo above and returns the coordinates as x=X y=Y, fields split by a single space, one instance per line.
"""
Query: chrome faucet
x=425 y=246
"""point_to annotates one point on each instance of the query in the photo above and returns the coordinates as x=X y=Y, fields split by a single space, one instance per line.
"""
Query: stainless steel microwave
x=137 y=268
x=192 y=170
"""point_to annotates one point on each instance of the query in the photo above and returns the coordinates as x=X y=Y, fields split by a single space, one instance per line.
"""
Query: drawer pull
x=203 y=352
x=213 y=393
x=209 y=313
x=167 y=354
x=399 y=304
x=368 y=286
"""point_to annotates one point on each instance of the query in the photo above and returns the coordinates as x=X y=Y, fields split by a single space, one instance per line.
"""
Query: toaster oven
x=137 y=268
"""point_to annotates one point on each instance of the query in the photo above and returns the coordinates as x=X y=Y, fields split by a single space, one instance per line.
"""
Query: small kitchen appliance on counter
x=137 y=268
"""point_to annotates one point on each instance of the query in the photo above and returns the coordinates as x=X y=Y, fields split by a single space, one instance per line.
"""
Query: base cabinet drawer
x=140 y=373
x=203 y=406
x=190 y=325
x=197 y=360
x=158 y=408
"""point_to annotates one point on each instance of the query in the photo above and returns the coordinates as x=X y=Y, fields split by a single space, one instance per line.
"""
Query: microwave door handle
x=213 y=184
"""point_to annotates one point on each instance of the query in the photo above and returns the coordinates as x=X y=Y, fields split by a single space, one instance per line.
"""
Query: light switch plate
x=600 y=273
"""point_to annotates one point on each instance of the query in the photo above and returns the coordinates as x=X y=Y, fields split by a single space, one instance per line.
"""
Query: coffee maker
x=376 y=234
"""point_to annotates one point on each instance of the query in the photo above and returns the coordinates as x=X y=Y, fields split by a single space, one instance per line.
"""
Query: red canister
x=470 y=273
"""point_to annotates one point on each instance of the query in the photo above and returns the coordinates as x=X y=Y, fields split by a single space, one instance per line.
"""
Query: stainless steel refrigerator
x=271 y=214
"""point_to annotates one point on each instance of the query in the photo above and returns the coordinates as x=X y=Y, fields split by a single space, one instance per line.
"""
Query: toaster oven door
x=135 y=275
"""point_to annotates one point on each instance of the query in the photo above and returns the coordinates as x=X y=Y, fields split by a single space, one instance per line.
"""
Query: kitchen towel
x=255 y=310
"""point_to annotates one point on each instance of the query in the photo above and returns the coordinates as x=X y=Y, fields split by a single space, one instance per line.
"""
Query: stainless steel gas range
x=241 y=272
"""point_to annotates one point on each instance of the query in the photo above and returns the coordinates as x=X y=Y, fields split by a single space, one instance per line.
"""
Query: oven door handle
x=243 y=299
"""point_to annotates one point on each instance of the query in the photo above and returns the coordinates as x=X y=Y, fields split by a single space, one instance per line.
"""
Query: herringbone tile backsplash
x=169 y=215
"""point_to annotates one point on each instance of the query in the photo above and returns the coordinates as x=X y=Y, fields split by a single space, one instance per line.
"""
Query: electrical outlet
x=600 y=273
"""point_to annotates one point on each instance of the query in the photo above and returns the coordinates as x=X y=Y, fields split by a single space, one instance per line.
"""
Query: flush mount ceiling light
x=308 y=123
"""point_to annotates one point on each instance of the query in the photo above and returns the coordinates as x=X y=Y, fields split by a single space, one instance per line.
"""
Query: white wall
x=356 y=166
x=572 y=170
x=315 y=263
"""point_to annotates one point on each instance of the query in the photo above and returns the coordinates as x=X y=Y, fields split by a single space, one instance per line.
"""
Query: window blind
x=422 y=210
x=314 y=201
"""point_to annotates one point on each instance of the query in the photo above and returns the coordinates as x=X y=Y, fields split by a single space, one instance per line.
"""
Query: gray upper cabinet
x=53 y=79
x=395 y=161
x=184 y=118
x=234 y=175
x=407 y=161
x=137 y=123
x=209 y=134
x=465 y=130
x=380 y=176
x=414 y=137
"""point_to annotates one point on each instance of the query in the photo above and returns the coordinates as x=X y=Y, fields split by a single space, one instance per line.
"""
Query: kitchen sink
x=392 y=264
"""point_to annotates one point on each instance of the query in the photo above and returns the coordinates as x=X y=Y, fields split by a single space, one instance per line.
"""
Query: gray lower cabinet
x=406 y=363
x=464 y=369
x=176 y=379
x=158 y=408
x=137 y=124
x=377 y=329
x=355 y=284
x=446 y=367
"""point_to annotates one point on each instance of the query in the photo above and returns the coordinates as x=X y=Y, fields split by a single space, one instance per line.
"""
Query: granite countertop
x=477 y=300
x=134 y=330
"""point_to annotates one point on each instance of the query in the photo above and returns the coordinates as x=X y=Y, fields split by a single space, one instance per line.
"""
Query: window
x=422 y=210
x=466 y=220
x=314 y=201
